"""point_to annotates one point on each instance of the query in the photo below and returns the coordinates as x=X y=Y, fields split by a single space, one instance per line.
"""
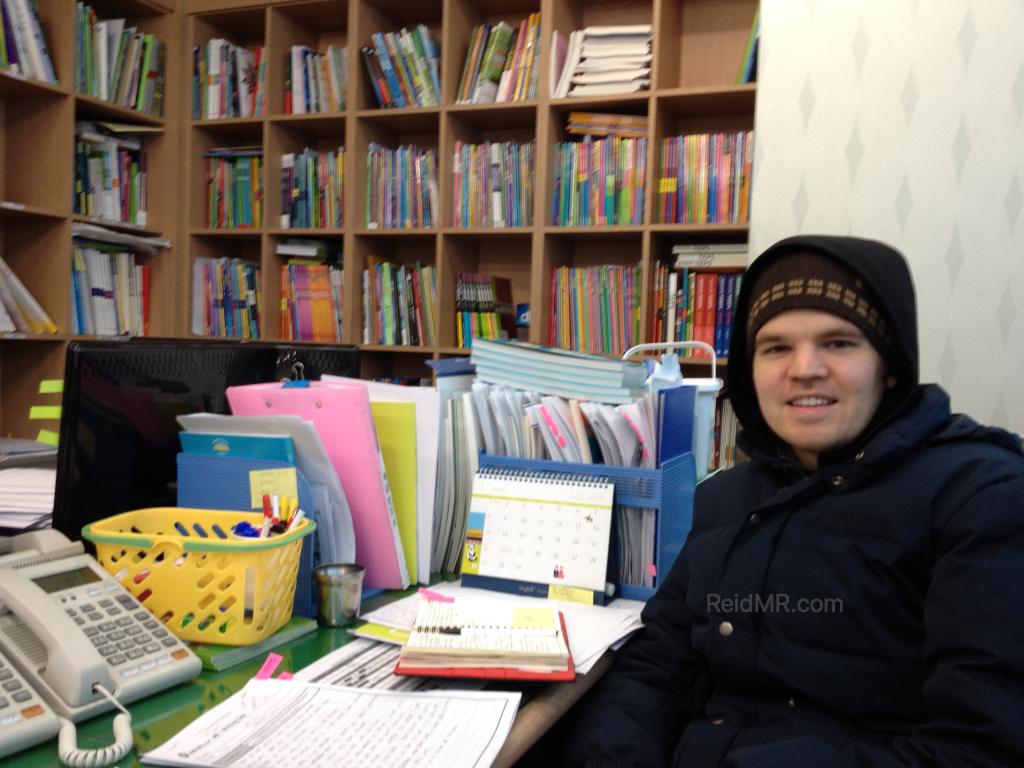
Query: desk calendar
x=538 y=533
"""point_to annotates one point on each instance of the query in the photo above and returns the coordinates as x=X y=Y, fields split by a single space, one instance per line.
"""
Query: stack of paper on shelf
x=28 y=476
x=551 y=371
x=603 y=60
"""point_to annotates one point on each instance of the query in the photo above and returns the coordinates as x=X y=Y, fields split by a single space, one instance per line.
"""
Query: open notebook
x=504 y=640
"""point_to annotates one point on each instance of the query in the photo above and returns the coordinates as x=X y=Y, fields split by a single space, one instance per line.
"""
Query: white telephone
x=68 y=630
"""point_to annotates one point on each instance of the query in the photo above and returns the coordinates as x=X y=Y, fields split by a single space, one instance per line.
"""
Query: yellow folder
x=396 y=433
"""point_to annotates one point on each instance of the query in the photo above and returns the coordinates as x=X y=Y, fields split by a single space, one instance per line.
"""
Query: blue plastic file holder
x=668 y=490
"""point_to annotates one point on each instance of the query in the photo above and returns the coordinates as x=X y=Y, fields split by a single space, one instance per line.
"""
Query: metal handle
x=675 y=345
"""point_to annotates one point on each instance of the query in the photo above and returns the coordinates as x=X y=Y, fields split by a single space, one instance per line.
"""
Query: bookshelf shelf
x=225 y=124
x=235 y=233
x=311 y=232
x=411 y=233
x=736 y=230
x=631 y=103
x=400 y=348
x=15 y=87
x=596 y=231
x=10 y=210
x=119 y=226
x=90 y=107
x=406 y=120
x=711 y=100
x=522 y=233
x=321 y=122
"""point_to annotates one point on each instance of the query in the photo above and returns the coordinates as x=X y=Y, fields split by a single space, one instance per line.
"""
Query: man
x=854 y=594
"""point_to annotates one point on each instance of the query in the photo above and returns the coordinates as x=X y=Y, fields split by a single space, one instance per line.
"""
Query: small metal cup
x=339 y=591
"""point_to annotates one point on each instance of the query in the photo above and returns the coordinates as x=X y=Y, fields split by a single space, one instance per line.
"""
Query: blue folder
x=222 y=482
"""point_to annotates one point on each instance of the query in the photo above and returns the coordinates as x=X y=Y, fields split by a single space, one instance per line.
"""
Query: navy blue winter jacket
x=867 y=614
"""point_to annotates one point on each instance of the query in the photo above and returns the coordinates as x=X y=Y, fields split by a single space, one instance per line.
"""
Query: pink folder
x=340 y=412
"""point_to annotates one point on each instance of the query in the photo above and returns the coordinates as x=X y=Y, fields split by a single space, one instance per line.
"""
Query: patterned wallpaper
x=903 y=121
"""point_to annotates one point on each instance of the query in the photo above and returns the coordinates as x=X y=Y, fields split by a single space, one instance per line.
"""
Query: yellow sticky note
x=51 y=386
x=533 y=618
x=282 y=481
x=571 y=594
x=44 y=412
x=47 y=436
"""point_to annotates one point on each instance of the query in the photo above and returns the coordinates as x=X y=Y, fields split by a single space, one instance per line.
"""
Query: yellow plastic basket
x=204 y=585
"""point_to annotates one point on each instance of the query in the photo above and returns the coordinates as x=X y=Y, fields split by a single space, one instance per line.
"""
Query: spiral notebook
x=542 y=534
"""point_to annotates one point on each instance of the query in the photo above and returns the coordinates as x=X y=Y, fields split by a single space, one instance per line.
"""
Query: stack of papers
x=278 y=722
x=26 y=497
x=28 y=477
x=591 y=629
x=552 y=371
x=604 y=60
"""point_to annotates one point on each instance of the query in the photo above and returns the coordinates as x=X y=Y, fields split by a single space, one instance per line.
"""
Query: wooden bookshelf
x=697 y=49
x=37 y=143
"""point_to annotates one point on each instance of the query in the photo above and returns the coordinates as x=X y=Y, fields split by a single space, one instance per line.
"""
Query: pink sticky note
x=430 y=594
x=284 y=676
x=652 y=569
x=272 y=662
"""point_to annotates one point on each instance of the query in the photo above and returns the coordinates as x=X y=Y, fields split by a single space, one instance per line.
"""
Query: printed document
x=290 y=724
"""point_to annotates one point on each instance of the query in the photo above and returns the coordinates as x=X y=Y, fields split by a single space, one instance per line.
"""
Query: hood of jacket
x=884 y=270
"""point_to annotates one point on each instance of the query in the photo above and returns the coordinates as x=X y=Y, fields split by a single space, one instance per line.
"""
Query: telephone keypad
x=6 y=674
x=22 y=696
x=127 y=637
x=12 y=685
x=4 y=702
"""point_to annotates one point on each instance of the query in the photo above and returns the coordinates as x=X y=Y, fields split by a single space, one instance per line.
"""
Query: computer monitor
x=118 y=431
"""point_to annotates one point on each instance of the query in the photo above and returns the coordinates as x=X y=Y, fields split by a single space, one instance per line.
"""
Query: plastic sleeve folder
x=222 y=482
x=341 y=414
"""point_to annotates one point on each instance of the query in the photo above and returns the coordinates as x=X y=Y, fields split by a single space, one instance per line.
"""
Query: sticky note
x=280 y=481
x=571 y=594
x=533 y=618
x=51 y=386
x=44 y=412
x=271 y=664
x=47 y=436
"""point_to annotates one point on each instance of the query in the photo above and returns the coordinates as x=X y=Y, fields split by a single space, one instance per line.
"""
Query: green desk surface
x=156 y=718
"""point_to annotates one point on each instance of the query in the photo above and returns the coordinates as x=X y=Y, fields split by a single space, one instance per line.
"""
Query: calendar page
x=539 y=528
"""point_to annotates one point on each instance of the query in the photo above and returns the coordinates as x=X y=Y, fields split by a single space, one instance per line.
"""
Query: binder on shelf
x=340 y=411
x=668 y=491
x=222 y=482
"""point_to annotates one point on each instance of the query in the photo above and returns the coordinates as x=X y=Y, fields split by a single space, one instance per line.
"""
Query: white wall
x=903 y=121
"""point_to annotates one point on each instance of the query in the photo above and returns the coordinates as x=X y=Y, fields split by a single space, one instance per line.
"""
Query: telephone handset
x=71 y=631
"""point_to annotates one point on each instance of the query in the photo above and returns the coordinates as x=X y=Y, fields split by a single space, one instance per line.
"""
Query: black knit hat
x=876 y=273
x=808 y=280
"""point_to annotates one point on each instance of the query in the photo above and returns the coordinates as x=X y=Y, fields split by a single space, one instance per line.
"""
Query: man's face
x=818 y=380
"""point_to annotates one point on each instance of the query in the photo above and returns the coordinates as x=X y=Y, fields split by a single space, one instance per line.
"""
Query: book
x=514 y=641
x=220 y=657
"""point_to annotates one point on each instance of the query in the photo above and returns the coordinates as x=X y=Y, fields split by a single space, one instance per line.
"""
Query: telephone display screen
x=55 y=582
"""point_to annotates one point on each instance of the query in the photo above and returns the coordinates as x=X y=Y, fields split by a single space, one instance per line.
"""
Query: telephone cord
x=67 y=742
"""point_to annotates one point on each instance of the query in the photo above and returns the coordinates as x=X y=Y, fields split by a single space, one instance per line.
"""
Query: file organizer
x=668 y=490
x=222 y=482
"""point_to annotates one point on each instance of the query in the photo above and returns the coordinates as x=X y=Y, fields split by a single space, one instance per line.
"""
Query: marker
x=268 y=516
x=296 y=519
